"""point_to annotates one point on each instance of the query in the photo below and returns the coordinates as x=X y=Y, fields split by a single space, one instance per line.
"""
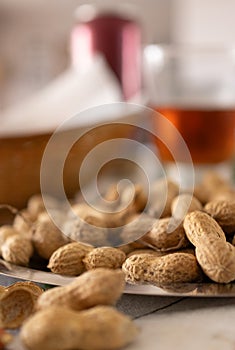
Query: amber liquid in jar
x=208 y=133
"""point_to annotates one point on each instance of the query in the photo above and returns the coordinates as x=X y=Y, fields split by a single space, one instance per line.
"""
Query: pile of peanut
x=187 y=238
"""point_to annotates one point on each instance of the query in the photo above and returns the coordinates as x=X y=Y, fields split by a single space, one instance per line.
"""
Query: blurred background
x=34 y=35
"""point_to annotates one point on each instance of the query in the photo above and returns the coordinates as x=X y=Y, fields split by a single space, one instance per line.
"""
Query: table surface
x=184 y=323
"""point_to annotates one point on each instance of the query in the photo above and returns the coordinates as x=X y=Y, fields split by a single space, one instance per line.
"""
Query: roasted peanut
x=215 y=256
x=17 y=250
x=200 y=228
x=108 y=257
x=171 y=268
x=166 y=235
x=68 y=259
x=100 y=328
x=95 y=287
x=223 y=212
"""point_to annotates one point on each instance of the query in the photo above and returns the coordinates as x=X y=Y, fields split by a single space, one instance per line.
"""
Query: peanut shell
x=17 y=250
x=223 y=211
x=217 y=260
x=99 y=286
x=68 y=259
x=100 y=328
x=166 y=236
x=202 y=229
x=171 y=268
x=108 y=257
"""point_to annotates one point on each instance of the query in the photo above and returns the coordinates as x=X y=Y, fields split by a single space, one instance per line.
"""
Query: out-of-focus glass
x=194 y=88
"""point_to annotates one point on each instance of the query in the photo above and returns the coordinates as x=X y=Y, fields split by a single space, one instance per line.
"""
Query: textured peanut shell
x=100 y=328
x=108 y=257
x=164 y=236
x=184 y=204
x=171 y=268
x=95 y=287
x=223 y=211
x=202 y=229
x=17 y=250
x=217 y=260
x=68 y=259
x=17 y=303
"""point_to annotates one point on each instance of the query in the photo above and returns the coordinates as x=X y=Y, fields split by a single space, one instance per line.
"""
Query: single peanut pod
x=17 y=250
x=108 y=257
x=17 y=303
x=183 y=204
x=163 y=236
x=171 y=268
x=100 y=328
x=95 y=287
x=68 y=259
x=47 y=238
x=217 y=260
x=223 y=212
x=201 y=228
